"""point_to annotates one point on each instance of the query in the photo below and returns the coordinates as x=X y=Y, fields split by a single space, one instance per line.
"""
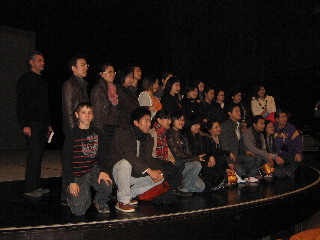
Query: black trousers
x=36 y=148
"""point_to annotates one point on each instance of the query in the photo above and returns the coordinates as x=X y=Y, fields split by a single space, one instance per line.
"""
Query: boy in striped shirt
x=84 y=164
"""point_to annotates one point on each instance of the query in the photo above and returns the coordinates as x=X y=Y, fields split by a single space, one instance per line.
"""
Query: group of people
x=132 y=134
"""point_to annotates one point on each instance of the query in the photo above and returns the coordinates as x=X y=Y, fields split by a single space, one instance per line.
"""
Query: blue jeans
x=192 y=181
x=128 y=186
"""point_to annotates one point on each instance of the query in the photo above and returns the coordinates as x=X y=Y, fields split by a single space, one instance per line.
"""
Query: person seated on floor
x=84 y=164
x=189 y=164
x=271 y=148
x=288 y=144
x=215 y=178
x=245 y=162
x=135 y=171
x=161 y=151
x=254 y=140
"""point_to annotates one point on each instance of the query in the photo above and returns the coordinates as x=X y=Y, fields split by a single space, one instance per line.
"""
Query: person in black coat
x=215 y=168
x=170 y=100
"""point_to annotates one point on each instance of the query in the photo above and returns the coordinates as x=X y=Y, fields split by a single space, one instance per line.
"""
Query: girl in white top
x=147 y=99
x=261 y=103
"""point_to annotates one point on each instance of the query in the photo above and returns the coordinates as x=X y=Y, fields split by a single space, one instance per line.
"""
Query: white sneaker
x=240 y=180
x=268 y=176
x=252 y=179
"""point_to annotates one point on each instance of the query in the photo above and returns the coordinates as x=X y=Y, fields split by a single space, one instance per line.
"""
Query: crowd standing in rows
x=134 y=135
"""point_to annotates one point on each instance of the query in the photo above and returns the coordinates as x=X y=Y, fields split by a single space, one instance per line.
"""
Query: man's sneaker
x=34 y=193
x=184 y=194
x=252 y=179
x=124 y=207
x=102 y=209
x=43 y=190
x=133 y=202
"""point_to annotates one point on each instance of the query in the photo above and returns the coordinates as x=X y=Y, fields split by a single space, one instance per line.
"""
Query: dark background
x=226 y=43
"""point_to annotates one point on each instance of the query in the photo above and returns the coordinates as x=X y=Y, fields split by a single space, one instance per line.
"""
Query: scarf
x=112 y=94
x=162 y=143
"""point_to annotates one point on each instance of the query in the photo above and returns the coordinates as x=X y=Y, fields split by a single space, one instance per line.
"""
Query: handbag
x=155 y=191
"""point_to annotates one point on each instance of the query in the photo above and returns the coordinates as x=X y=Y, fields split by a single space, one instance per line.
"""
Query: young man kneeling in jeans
x=135 y=171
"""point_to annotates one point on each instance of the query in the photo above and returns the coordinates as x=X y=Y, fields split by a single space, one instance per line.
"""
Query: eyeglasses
x=181 y=120
x=84 y=65
x=110 y=72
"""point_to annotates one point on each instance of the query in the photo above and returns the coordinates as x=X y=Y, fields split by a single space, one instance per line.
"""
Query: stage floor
x=20 y=213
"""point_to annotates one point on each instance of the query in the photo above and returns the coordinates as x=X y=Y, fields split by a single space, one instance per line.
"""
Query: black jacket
x=32 y=100
x=124 y=146
x=128 y=102
x=74 y=91
x=105 y=114
x=171 y=103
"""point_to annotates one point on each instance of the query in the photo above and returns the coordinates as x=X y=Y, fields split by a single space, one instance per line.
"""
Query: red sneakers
x=124 y=207
x=133 y=202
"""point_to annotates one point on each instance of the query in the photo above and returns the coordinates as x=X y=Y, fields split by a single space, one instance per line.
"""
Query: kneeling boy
x=135 y=171
x=85 y=165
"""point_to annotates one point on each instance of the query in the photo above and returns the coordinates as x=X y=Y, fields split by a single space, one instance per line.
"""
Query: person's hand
x=74 y=189
x=211 y=162
x=50 y=129
x=27 y=131
x=279 y=160
x=232 y=157
x=200 y=157
x=250 y=153
x=156 y=175
x=104 y=177
x=298 y=157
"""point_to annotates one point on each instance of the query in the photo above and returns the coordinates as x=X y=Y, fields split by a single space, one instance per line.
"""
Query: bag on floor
x=155 y=191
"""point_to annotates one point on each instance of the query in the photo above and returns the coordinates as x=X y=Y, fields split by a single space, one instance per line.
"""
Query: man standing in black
x=34 y=119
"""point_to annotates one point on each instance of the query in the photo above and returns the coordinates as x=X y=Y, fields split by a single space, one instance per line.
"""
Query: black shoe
x=184 y=194
x=64 y=203
x=34 y=193
x=43 y=190
x=221 y=186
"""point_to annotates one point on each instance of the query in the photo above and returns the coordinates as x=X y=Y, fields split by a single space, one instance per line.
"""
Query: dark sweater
x=83 y=148
x=194 y=107
x=171 y=103
x=32 y=100
x=124 y=146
